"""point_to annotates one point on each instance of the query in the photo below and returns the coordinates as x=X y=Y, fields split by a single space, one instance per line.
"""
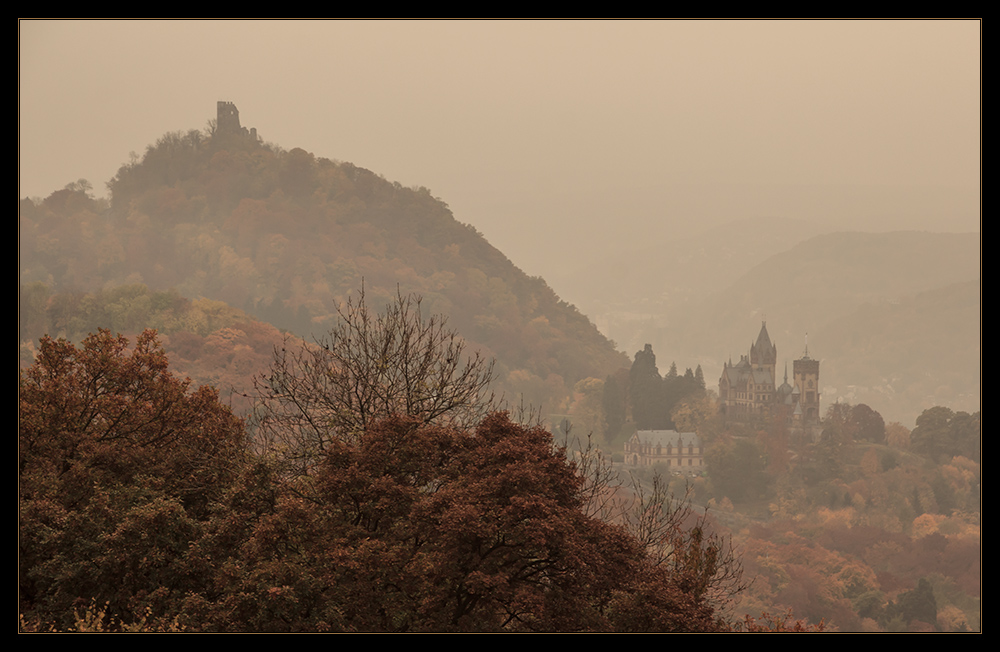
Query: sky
x=561 y=141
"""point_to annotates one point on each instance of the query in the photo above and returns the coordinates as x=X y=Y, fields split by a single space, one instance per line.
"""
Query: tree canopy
x=120 y=466
x=143 y=506
x=942 y=434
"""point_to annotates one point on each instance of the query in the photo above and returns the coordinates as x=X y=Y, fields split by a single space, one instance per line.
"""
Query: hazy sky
x=558 y=140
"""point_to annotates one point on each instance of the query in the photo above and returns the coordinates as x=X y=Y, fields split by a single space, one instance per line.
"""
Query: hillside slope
x=287 y=236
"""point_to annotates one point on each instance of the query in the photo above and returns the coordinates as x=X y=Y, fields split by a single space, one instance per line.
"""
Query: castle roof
x=763 y=339
x=764 y=351
x=666 y=438
x=742 y=373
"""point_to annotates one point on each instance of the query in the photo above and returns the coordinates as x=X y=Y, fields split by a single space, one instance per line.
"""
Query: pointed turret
x=763 y=352
x=785 y=390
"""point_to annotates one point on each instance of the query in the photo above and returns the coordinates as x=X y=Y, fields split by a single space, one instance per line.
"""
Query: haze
x=560 y=141
x=690 y=199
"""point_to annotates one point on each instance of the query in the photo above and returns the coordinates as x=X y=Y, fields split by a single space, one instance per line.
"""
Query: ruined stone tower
x=227 y=121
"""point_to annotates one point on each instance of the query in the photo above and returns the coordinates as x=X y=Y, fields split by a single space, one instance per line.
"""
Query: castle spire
x=763 y=352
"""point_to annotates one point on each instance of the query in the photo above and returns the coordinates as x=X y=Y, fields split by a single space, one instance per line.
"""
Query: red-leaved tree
x=120 y=465
x=419 y=527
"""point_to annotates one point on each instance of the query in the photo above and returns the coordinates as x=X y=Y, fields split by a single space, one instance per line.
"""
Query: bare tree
x=669 y=527
x=677 y=537
x=369 y=367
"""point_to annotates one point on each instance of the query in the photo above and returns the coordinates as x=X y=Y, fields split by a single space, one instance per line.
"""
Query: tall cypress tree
x=646 y=391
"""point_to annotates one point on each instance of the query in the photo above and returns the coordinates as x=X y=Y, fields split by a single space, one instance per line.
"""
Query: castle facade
x=681 y=452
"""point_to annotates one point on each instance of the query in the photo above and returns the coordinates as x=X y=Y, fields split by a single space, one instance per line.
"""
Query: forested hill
x=286 y=236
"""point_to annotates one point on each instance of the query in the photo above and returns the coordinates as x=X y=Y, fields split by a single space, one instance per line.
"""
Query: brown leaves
x=418 y=527
x=118 y=464
x=137 y=492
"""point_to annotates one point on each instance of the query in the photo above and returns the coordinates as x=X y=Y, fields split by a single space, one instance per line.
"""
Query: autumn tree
x=426 y=527
x=897 y=435
x=587 y=408
x=677 y=540
x=918 y=604
x=738 y=468
x=694 y=412
x=940 y=434
x=867 y=424
x=682 y=543
x=120 y=467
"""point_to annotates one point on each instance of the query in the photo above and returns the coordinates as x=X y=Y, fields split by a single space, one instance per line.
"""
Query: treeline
x=208 y=341
x=643 y=398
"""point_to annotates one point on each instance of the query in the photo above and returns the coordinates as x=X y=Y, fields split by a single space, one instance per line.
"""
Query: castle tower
x=763 y=362
x=227 y=118
x=764 y=354
x=805 y=372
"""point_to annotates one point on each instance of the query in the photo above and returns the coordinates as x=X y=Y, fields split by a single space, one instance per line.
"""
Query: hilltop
x=286 y=236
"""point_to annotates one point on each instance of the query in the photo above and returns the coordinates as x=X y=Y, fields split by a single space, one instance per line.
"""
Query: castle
x=748 y=390
x=227 y=121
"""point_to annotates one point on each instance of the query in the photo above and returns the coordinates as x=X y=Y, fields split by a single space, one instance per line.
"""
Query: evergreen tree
x=614 y=407
x=645 y=391
x=918 y=604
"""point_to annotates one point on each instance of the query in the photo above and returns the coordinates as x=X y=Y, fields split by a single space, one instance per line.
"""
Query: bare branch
x=677 y=537
x=668 y=526
x=369 y=367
